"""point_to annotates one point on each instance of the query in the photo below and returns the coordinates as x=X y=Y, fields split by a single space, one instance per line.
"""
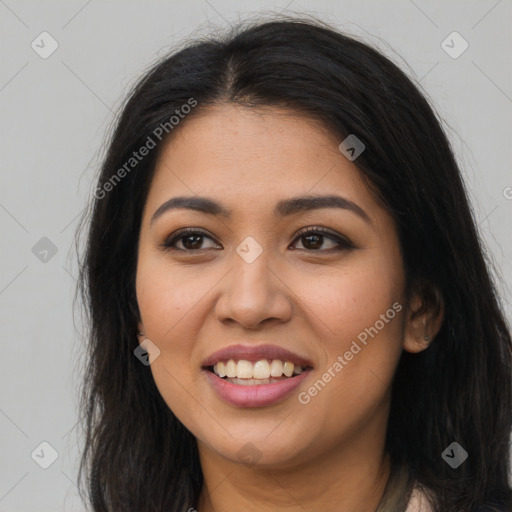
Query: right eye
x=191 y=240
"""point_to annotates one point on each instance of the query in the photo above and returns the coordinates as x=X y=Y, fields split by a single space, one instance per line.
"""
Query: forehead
x=253 y=158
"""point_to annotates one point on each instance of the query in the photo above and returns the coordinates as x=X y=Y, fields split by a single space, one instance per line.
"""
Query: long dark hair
x=137 y=454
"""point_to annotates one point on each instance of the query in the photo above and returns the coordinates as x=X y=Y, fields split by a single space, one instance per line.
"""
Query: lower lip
x=257 y=395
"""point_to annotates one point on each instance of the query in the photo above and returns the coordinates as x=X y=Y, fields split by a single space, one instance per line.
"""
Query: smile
x=264 y=371
x=248 y=375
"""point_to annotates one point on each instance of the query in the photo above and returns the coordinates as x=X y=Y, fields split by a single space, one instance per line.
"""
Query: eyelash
x=343 y=243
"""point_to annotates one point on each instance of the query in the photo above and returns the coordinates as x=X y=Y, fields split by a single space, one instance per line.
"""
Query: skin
x=310 y=298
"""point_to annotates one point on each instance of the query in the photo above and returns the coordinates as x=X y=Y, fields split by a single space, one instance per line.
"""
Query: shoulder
x=418 y=502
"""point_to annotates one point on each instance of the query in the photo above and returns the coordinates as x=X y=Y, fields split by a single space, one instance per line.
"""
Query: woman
x=289 y=304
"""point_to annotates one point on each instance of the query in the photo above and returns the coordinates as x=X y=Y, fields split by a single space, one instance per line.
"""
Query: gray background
x=55 y=112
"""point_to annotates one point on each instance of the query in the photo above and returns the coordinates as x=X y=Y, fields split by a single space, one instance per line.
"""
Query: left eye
x=316 y=236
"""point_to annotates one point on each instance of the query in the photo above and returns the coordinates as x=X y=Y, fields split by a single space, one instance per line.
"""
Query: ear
x=141 y=333
x=424 y=317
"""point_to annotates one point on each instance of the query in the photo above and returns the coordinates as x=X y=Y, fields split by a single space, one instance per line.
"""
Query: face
x=321 y=280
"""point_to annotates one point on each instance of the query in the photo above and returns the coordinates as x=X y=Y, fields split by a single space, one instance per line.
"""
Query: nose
x=254 y=294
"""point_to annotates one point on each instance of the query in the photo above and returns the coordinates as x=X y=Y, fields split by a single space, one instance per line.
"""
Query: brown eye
x=191 y=239
x=313 y=239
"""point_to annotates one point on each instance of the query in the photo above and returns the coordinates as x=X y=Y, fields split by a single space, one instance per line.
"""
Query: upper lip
x=255 y=353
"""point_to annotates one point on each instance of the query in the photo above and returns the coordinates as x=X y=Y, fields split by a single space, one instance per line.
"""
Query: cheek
x=346 y=303
x=169 y=302
x=359 y=318
x=166 y=296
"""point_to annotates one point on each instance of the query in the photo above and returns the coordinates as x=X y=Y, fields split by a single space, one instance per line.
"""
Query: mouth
x=255 y=375
x=261 y=372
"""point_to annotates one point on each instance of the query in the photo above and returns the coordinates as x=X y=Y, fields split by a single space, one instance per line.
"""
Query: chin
x=260 y=450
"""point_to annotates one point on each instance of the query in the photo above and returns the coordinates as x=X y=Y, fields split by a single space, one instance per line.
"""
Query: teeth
x=288 y=368
x=244 y=369
x=221 y=368
x=230 y=369
x=262 y=370
x=252 y=382
x=276 y=368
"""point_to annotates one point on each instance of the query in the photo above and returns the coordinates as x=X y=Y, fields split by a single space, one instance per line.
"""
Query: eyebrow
x=283 y=208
